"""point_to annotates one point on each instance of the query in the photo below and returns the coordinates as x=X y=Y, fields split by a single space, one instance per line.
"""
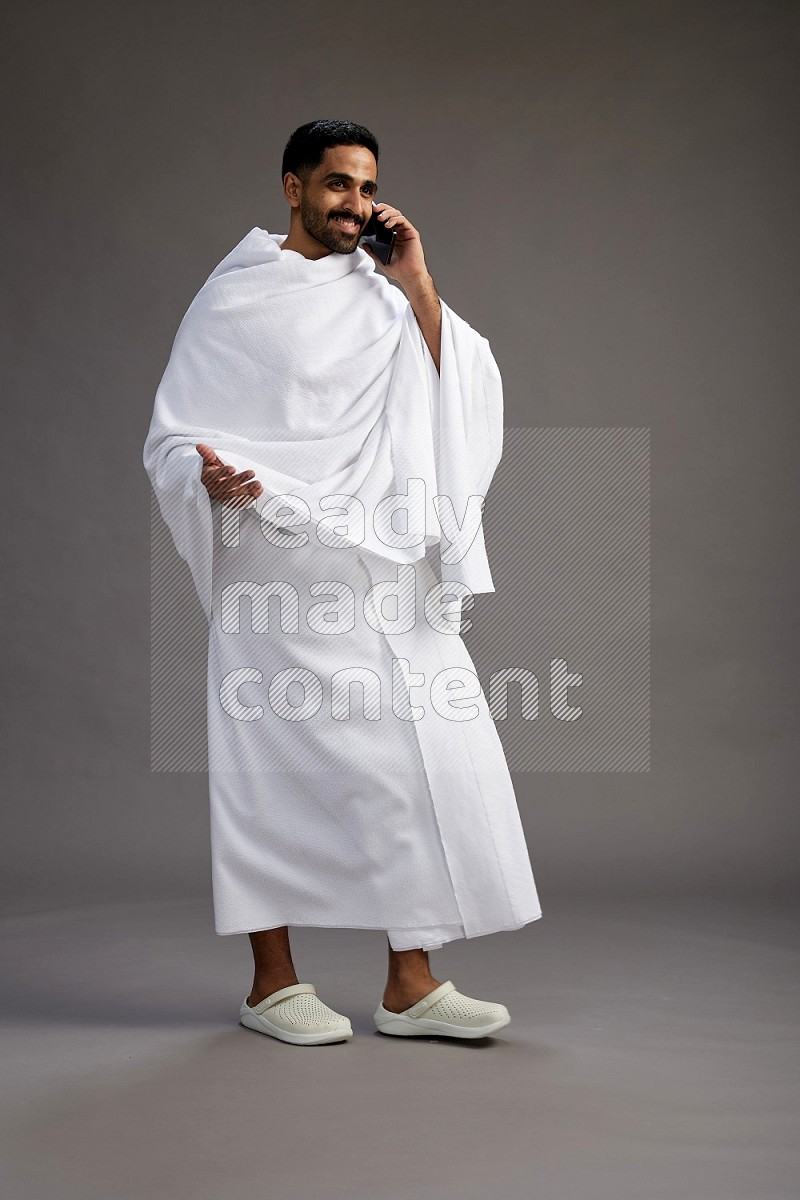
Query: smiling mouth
x=347 y=223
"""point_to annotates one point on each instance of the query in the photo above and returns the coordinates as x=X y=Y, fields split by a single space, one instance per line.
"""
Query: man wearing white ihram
x=360 y=424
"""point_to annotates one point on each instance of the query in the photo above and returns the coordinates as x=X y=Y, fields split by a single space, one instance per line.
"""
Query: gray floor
x=652 y=1053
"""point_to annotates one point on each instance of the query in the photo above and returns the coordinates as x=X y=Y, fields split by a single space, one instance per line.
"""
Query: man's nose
x=354 y=203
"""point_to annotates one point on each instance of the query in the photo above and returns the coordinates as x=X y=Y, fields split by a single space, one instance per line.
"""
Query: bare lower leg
x=272 y=959
x=409 y=978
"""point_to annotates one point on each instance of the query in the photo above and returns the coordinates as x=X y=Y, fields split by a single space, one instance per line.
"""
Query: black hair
x=306 y=147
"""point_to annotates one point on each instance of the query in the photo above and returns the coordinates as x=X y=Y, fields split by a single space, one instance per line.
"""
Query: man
x=325 y=402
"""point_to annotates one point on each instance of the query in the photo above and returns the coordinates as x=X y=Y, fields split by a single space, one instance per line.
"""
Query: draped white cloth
x=397 y=813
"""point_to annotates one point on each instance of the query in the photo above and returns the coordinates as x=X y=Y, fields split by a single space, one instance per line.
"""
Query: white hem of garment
x=412 y=939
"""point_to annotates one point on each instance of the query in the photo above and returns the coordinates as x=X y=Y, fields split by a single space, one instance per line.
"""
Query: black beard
x=320 y=226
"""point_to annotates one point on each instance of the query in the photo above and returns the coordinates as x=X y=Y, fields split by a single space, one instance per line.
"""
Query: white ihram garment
x=397 y=813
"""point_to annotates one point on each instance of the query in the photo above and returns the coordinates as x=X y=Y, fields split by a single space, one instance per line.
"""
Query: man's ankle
x=263 y=988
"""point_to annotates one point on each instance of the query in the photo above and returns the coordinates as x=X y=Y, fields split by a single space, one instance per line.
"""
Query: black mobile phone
x=379 y=238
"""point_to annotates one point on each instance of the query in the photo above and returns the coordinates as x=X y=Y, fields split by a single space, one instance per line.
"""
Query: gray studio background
x=605 y=191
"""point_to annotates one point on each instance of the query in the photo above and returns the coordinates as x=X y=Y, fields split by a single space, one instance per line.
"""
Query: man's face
x=336 y=202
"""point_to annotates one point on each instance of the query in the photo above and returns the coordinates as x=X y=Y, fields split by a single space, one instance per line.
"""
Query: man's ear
x=292 y=188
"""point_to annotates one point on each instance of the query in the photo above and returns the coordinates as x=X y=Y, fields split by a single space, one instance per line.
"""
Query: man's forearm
x=424 y=299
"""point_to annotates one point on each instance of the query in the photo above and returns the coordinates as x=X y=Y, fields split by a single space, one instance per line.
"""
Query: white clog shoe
x=296 y=1014
x=445 y=1012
